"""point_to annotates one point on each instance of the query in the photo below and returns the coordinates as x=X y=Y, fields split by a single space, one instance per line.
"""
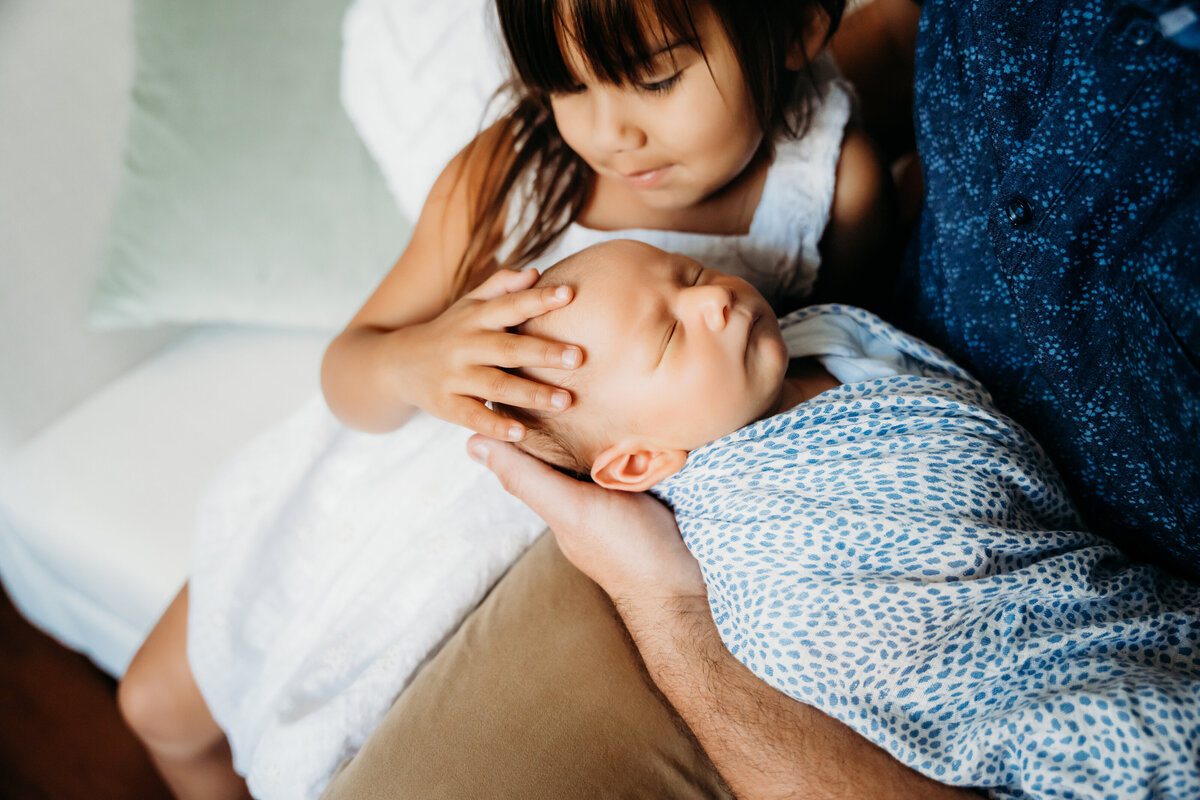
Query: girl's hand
x=626 y=542
x=453 y=363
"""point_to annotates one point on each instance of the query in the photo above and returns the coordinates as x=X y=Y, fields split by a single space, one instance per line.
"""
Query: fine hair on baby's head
x=552 y=437
x=615 y=40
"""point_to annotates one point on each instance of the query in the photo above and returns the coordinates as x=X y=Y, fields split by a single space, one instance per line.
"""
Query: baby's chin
x=772 y=367
x=773 y=352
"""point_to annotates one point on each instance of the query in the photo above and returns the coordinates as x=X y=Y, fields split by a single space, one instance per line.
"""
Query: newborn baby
x=676 y=356
x=878 y=541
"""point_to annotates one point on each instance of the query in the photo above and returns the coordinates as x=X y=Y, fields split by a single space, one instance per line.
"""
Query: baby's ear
x=634 y=469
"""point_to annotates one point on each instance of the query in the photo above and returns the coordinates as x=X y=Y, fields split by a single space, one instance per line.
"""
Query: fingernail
x=559 y=400
x=515 y=433
x=571 y=357
x=478 y=451
x=562 y=293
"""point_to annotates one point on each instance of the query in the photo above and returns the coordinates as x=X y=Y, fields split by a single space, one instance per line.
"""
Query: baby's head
x=674 y=356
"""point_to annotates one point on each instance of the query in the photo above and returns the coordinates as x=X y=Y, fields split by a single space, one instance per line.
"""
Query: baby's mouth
x=754 y=319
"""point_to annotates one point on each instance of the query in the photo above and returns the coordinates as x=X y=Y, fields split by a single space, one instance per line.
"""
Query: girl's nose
x=709 y=304
x=613 y=128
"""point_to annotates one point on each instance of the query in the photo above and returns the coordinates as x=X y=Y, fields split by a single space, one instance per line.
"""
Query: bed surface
x=107 y=438
x=96 y=511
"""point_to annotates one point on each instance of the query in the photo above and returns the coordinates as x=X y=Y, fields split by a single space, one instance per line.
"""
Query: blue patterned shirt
x=1058 y=255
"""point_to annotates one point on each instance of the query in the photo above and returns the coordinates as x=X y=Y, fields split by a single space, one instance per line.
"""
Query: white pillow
x=416 y=80
x=246 y=194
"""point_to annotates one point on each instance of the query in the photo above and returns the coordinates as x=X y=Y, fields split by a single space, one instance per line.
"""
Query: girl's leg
x=160 y=701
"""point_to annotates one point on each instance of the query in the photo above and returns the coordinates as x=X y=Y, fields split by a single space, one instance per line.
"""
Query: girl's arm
x=860 y=246
x=874 y=48
x=412 y=345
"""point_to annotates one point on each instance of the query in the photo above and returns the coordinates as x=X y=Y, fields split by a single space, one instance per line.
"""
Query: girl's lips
x=647 y=179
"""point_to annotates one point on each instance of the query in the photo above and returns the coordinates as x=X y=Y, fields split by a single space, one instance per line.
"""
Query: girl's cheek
x=568 y=115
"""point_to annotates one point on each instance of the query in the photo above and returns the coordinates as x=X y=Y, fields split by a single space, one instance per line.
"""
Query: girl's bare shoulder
x=861 y=179
x=857 y=246
x=421 y=282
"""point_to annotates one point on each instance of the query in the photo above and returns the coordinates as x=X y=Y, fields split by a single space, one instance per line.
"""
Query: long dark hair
x=616 y=39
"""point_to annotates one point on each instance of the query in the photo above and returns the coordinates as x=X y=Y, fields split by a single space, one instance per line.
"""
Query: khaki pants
x=539 y=695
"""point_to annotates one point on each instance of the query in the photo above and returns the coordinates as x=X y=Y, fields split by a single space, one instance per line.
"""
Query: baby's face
x=675 y=355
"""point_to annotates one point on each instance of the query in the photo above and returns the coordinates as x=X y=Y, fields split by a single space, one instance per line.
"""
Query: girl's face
x=684 y=132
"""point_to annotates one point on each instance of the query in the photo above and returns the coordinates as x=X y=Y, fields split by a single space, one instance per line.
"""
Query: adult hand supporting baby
x=764 y=744
x=626 y=542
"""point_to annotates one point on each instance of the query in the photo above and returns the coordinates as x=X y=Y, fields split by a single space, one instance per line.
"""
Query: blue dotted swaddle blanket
x=902 y=556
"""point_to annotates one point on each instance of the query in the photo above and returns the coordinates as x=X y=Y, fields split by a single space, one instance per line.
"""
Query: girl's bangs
x=614 y=39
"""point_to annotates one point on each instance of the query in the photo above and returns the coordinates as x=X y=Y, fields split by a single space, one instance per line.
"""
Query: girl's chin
x=665 y=200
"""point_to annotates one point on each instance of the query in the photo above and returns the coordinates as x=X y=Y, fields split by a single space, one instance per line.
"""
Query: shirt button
x=1142 y=31
x=1018 y=210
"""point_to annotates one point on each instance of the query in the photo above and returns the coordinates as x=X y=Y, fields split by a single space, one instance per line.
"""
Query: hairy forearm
x=764 y=744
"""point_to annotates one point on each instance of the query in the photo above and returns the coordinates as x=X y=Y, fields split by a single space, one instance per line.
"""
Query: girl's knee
x=163 y=709
x=139 y=699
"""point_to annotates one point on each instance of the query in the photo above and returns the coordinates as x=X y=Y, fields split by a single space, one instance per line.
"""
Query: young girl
x=329 y=564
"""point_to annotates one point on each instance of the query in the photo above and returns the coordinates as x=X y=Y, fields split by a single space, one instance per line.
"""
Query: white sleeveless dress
x=329 y=564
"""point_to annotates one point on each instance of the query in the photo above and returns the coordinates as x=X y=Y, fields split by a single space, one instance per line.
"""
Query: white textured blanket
x=898 y=554
x=328 y=566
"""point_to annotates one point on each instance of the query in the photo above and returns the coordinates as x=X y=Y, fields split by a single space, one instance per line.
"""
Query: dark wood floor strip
x=61 y=737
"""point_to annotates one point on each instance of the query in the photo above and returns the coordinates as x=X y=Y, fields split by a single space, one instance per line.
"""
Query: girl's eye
x=665 y=85
x=696 y=277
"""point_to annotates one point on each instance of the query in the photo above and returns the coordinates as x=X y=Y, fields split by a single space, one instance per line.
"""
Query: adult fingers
x=552 y=495
x=502 y=387
x=517 y=307
x=503 y=282
x=627 y=543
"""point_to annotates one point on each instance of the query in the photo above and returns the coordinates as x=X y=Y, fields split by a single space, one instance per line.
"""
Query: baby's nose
x=712 y=304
